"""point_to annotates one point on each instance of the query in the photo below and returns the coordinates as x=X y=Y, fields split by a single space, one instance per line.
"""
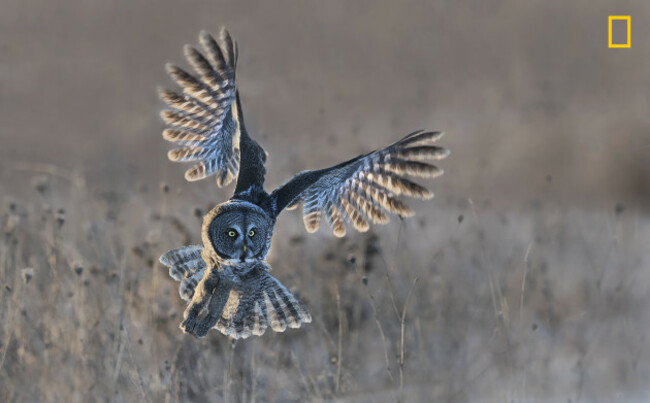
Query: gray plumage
x=226 y=280
x=201 y=119
x=239 y=301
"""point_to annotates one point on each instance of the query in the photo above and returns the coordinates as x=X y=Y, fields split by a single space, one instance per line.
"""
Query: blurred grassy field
x=465 y=302
x=526 y=279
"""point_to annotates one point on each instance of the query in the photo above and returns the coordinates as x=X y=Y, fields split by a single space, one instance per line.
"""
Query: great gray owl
x=226 y=280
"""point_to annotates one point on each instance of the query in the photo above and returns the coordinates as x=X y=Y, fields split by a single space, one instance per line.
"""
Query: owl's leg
x=197 y=315
x=213 y=310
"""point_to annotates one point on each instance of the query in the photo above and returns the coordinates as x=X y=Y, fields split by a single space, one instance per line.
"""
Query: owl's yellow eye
x=232 y=233
x=251 y=233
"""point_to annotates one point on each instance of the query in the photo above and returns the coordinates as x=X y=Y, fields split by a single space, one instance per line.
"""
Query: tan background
x=549 y=132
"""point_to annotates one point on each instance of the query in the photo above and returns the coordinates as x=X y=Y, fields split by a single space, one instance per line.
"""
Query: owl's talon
x=198 y=329
x=191 y=314
x=188 y=325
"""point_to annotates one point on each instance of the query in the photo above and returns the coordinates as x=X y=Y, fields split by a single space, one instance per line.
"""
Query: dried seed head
x=40 y=183
x=296 y=239
x=12 y=222
x=60 y=217
x=153 y=237
x=27 y=273
x=619 y=208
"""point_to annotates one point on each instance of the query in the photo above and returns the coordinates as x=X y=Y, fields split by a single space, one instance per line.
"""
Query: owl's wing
x=243 y=305
x=187 y=266
x=205 y=121
x=364 y=189
x=253 y=157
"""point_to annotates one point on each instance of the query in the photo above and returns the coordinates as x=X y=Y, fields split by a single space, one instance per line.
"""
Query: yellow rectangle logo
x=613 y=18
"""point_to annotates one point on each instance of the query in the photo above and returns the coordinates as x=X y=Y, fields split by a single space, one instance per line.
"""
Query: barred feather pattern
x=202 y=120
x=364 y=190
x=237 y=301
x=257 y=301
x=187 y=266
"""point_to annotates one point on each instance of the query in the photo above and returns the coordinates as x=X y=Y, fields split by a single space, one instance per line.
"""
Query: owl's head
x=235 y=232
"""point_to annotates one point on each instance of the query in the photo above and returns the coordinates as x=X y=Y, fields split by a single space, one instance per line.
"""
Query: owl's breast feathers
x=239 y=272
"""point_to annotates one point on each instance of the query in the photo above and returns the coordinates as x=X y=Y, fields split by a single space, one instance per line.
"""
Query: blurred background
x=526 y=278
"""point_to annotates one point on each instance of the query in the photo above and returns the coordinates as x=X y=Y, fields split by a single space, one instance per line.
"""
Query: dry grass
x=462 y=303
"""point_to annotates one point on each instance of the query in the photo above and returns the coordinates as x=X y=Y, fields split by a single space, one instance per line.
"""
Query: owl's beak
x=244 y=254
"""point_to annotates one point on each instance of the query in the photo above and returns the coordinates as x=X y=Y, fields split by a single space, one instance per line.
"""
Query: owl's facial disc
x=239 y=236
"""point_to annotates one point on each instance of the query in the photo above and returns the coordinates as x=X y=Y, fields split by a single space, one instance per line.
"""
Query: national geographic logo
x=620 y=21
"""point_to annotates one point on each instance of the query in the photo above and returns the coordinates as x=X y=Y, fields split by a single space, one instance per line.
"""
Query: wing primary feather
x=399 y=185
x=183 y=136
x=180 y=120
x=388 y=202
x=191 y=153
x=194 y=88
x=311 y=215
x=359 y=223
x=203 y=68
x=335 y=220
x=201 y=170
x=422 y=153
x=413 y=168
x=372 y=211
x=419 y=137
x=183 y=103
x=214 y=53
x=226 y=40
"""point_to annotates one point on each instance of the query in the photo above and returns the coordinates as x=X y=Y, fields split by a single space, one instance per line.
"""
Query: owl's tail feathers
x=243 y=305
x=267 y=304
x=187 y=266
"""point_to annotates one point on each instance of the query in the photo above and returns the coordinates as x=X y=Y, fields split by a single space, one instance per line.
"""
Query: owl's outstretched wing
x=238 y=305
x=364 y=189
x=205 y=121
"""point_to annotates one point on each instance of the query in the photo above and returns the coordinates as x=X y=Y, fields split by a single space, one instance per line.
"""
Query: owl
x=226 y=280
